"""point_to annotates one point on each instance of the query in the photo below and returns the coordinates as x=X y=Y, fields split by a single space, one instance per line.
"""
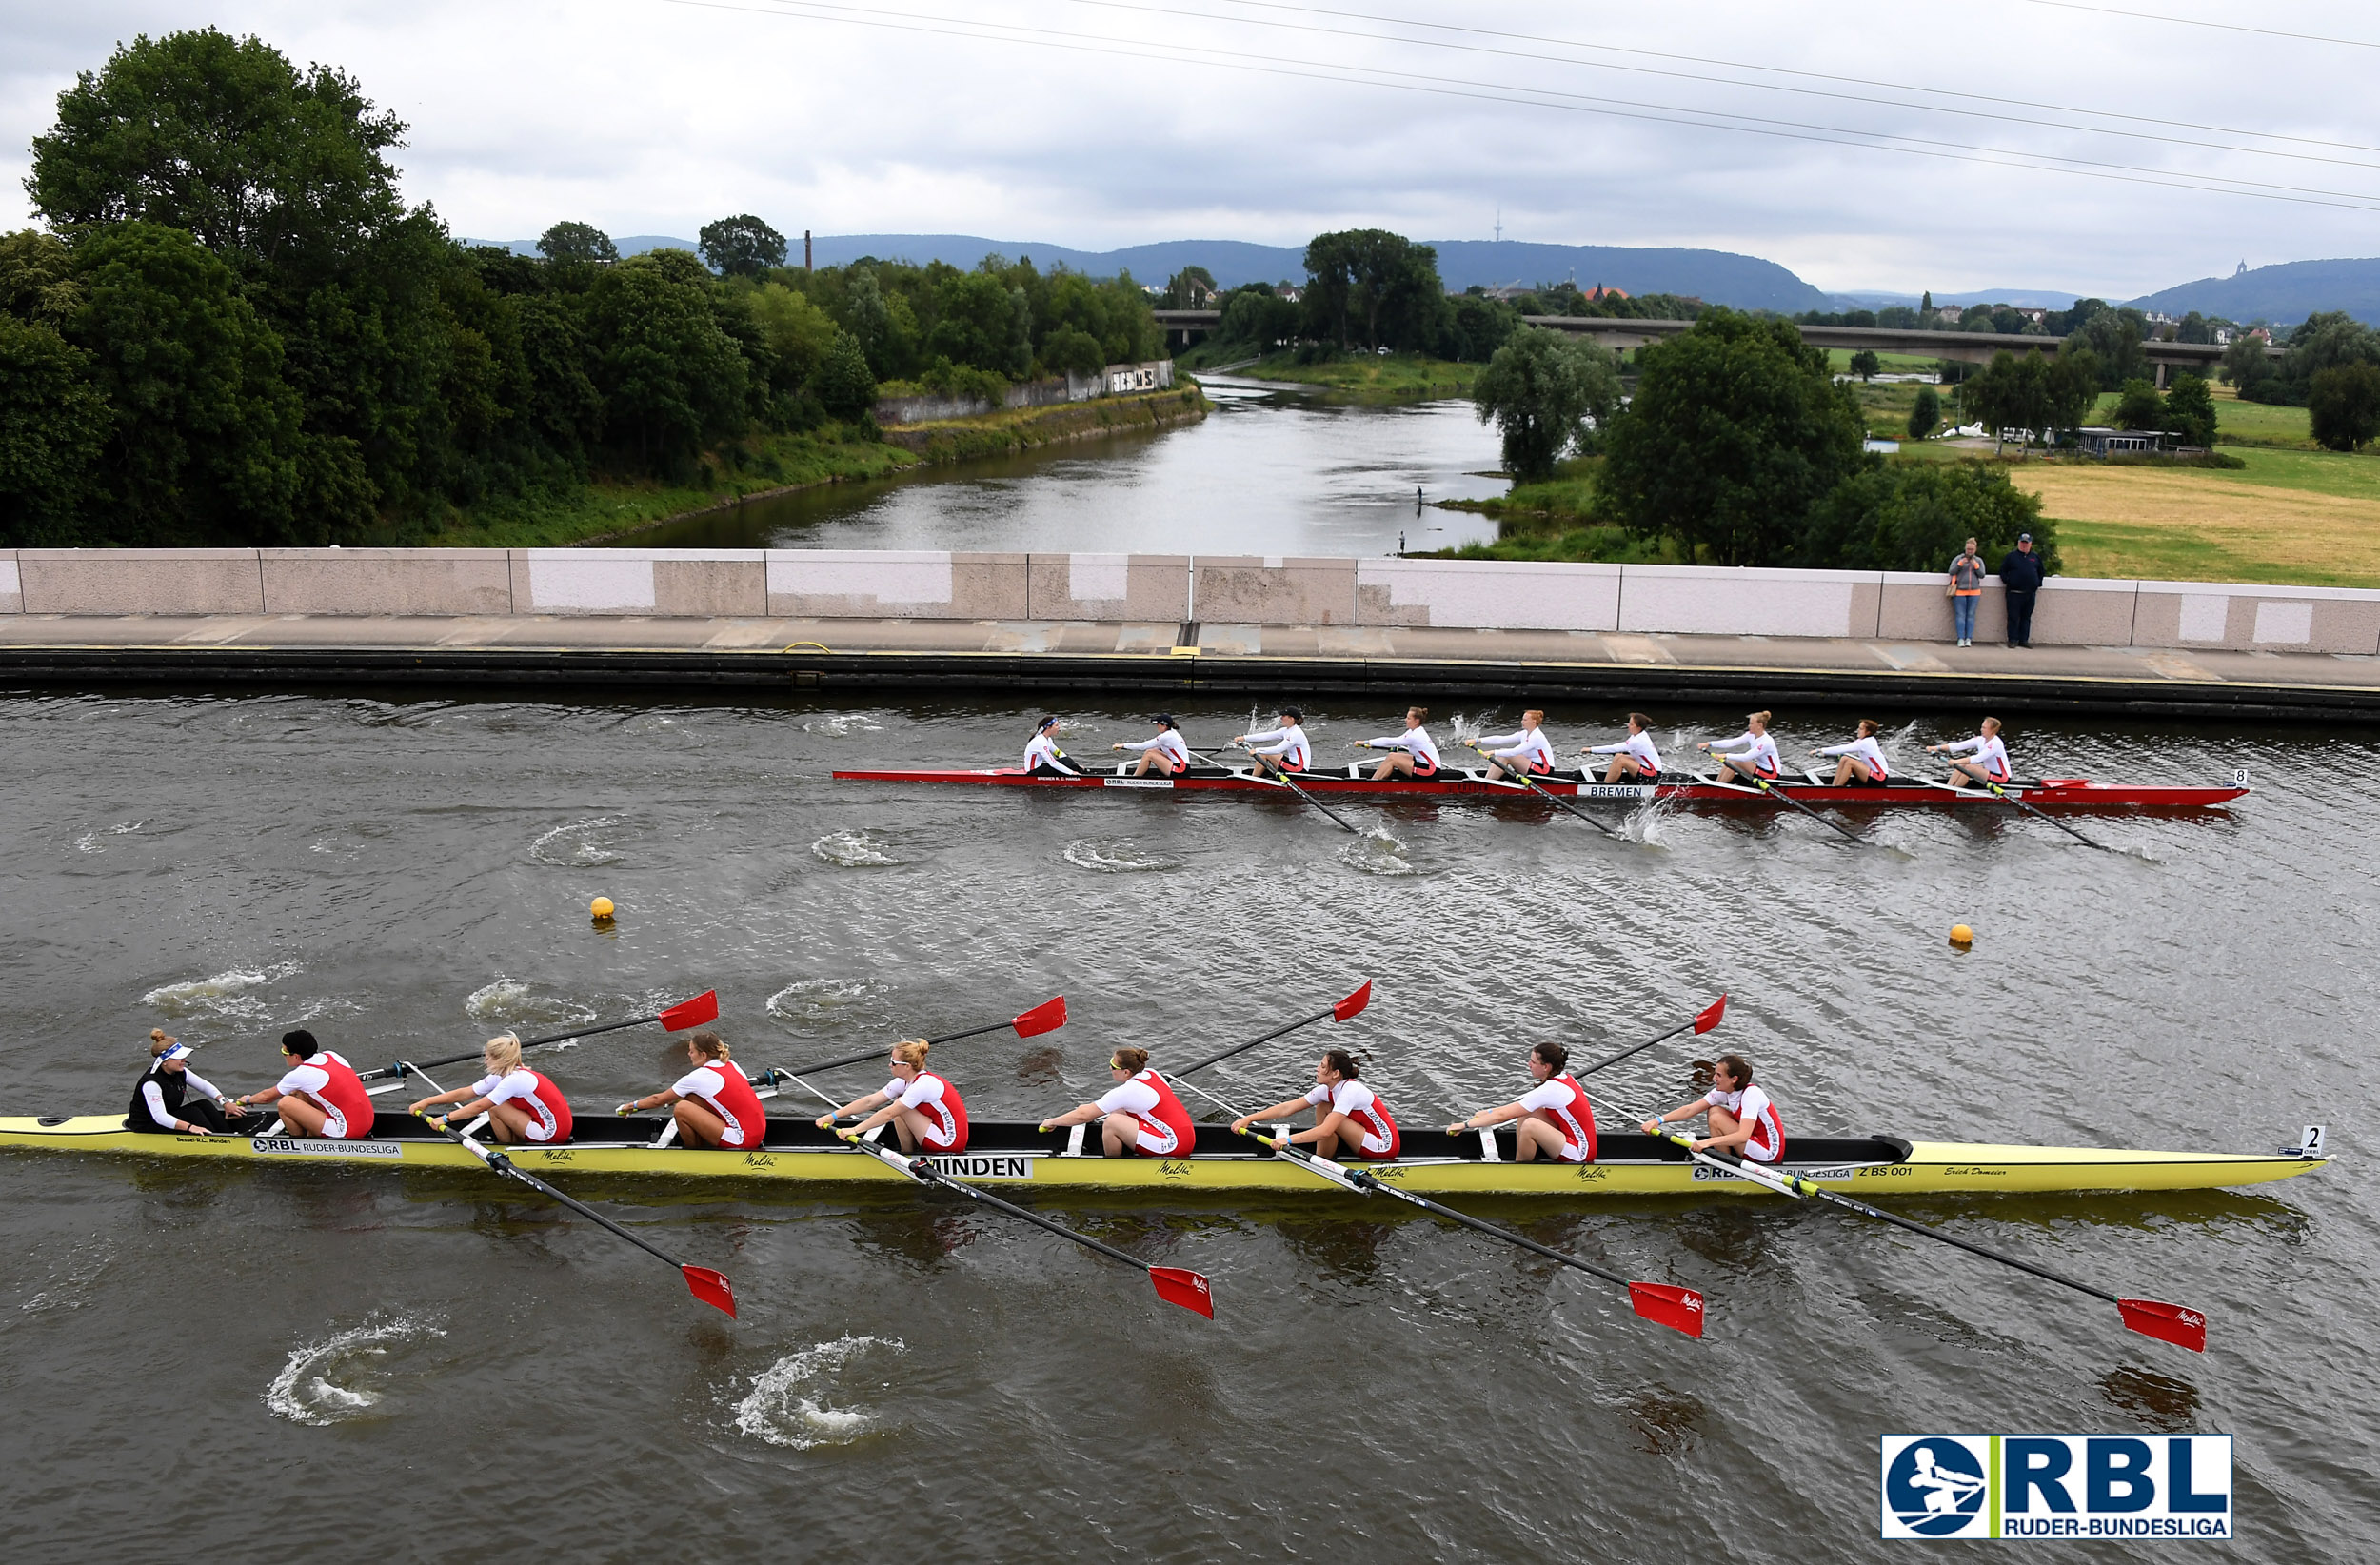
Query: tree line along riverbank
x=248 y=337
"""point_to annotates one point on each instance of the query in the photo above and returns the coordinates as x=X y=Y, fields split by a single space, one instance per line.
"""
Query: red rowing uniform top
x=1561 y=1099
x=328 y=1083
x=945 y=1111
x=720 y=1087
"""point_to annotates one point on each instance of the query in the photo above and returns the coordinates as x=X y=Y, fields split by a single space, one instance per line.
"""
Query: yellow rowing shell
x=1869 y=1167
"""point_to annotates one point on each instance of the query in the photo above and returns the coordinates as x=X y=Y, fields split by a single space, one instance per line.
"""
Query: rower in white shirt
x=1633 y=757
x=1863 y=759
x=1167 y=754
x=1749 y=755
x=1043 y=758
x=1527 y=749
x=1991 y=763
x=1743 y=1119
x=1289 y=751
x=1416 y=756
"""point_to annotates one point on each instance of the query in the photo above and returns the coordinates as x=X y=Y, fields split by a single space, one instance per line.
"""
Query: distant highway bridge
x=1967 y=346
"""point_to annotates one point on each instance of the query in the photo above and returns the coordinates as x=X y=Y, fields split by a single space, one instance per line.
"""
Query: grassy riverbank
x=774 y=464
x=1368 y=377
x=2283 y=517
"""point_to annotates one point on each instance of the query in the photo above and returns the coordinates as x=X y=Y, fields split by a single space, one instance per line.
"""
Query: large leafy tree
x=51 y=422
x=1736 y=432
x=205 y=443
x=1375 y=284
x=742 y=247
x=1541 y=392
x=1917 y=515
x=273 y=168
x=671 y=380
x=2343 y=406
x=982 y=323
x=2190 y=410
x=576 y=244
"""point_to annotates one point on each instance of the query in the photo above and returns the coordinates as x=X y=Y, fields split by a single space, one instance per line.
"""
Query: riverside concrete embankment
x=825 y=619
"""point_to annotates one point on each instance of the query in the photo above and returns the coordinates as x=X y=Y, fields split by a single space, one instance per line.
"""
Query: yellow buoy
x=1961 y=936
x=600 y=907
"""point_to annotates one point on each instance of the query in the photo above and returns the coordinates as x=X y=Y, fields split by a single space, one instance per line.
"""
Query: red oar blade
x=692 y=1013
x=1679 y=1309
x=2174 y=1323
x=1710 y=1016
x=711 y=1287
x=1046 y=1017
x=1179 y=1285
x=1352 y=1006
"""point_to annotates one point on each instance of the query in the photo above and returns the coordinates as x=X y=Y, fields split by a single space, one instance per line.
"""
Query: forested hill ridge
x=1743 y=282
x=2289 y=292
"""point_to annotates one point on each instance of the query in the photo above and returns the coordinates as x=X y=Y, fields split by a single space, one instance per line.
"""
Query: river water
x=192 y=1357
x=1272 y=470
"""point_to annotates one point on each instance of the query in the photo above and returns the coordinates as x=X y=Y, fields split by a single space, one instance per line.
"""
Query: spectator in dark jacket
x=2020 y=579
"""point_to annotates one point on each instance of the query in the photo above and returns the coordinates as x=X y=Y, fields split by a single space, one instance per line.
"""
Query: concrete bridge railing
x=1164 y=590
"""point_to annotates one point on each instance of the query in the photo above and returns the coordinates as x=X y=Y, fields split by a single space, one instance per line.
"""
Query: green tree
x=2247 y=363
x=2343 y=404
x=1916 y=515
x=742 y=247
x=2190 y=410
x=37 y=278
x=1479 y=327
x=2139 y=406
x=205 y=440
x=1071 y=350
x=798 y=333
x=844 y=384
x=1926 y=416
x=1257 y=317
x=672 y=380
x=2071 y=389
x=273 y=168
x=52 y=420
x=1541 y=391
x=2194 y=328
x=1192 y=288
x=1736 y=432
x=1865 y=365
x=568 y=243
x=2113 y=337
x=982 y=323
x=1383 y=280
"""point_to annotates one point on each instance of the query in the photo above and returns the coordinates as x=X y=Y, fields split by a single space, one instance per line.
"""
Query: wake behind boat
x=2067 y=792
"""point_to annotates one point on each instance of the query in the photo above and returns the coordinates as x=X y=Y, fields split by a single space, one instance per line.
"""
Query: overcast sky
x=654 y=116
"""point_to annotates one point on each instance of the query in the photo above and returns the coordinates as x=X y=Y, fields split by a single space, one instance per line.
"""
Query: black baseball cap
x=1164 y=718
x=1293 y=714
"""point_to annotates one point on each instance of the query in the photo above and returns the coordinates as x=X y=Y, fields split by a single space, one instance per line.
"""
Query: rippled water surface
x=191 y=1357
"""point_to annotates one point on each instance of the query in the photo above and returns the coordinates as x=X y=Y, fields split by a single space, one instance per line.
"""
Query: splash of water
x=509 y=1002
x=785 y=1406
x=1117 y=856
x=573 y=846
x=843 y=724
x=819 y=1005
x=323 y=1382
x=1378 y=852
x=224 y=994
x=856 y=850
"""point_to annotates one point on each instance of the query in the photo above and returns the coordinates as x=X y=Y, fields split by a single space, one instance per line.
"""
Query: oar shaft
x=926 y=1174
x=1638 y=1049
x=2000 y=793
x=526 y=1043
x=1242 y=1048
x=2042 y=1272
x=1372 y=1181
x=1530 y=783
x=498 y=1164
x=1783 y=797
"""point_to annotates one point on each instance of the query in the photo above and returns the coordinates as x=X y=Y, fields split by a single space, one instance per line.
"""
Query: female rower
x=1416 y=755
x=521 y=1104
x=1144 y=1117
x=1349 y=1118
x=1555 y=1117
x=1289 y=753
x=1742 y=1117
x=1991 y=763
x=172 y=1097
x=1863 y=759
x=1043 y=758
x=1526 y=749
x=1751 y=754
x=320 y=1096
x=1166 y=754
x=715 y=1105
x=1634 y=756
x=924 y=1109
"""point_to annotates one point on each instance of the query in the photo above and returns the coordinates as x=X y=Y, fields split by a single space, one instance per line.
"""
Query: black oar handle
x=1639 y=1048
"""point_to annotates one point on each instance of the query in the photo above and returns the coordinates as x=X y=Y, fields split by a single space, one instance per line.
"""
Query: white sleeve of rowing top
x=1157 y=743
x=1961 y=746
x=156 y=1103
x=1545 y=1094
x=1267 y=733
x=1134 y=1097
x=701 y=1082
x=305 y=1079
x=1318 y=1094
x=1394 y=742
x=199 y=1085
x=1290 y=739
x=1609 y=749
x=1850 y=748
x=485 y=1084
x=1727 y=746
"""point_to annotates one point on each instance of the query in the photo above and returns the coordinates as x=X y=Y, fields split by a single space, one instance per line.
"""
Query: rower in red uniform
x=1742 y=1118
x=715 y=1105
x=1349 y=1118
x=1555 y=1117
x=1142 y=1117
x=320 y=1096
x=521 y=1104
x=924 y=1110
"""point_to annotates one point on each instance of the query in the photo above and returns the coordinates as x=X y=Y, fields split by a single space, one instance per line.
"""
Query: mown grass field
x=2309 y=518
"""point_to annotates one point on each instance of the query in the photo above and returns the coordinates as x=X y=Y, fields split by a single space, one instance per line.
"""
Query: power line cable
x=2194 y=22
x=1730 y=81
x=1786 y=70
x=1546 y=98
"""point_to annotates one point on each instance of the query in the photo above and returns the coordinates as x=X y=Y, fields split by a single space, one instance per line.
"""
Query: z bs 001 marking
x=291 y=1147
x=995 y=1165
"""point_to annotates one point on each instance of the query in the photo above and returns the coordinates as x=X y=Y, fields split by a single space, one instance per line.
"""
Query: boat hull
x=2069 y=794
x=1019 y=1157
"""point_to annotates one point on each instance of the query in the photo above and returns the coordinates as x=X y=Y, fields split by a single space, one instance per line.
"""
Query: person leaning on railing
x=1964 y=591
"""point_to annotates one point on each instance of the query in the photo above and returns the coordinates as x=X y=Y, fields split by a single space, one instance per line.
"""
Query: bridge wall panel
x=140 y=582
x=2248 y=618
x=1272 y=590
x=1702 y=601
x=465 y=582
x=1136 y=588
x=896 y=583
x=1488 y=594
x=11 y=584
